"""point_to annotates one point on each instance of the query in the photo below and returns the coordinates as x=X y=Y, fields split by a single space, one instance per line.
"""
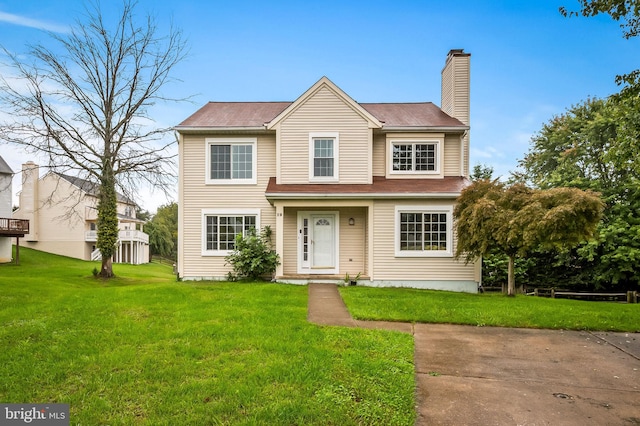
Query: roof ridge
x=249 y=102
x=397 y=103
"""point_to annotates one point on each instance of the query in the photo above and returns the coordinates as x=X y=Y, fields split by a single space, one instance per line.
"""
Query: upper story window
x=231 y=160
x=414 y=157
x=323 y=157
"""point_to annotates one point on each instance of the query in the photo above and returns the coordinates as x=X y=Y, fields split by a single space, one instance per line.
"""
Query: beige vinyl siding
x=60 y=212
x=452 y=156
x=196 y=196
x=379 y=155
x=386 y=266
x=455 y=88
x=465 y=162
x=324 y=112
x=455 y=96
x=353 y=241
x=289 y=255
x=76 y=249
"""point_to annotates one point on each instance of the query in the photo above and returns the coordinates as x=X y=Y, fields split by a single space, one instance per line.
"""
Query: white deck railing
x=123 y=235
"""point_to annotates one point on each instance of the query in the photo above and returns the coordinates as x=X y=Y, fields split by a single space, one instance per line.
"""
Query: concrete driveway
x=469 y=375
x=503 y=376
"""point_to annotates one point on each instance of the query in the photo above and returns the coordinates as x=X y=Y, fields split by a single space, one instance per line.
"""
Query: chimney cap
x=458 y=52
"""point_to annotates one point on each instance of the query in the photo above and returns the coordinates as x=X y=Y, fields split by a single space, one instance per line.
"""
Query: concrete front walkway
x=469 y=375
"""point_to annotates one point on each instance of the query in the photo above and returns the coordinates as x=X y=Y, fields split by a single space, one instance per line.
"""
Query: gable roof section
x=260 y=116
x=324 y=82
x=4 y=167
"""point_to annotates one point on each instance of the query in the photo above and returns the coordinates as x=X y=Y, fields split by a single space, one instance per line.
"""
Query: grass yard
x=145 y=349
x=401 y=304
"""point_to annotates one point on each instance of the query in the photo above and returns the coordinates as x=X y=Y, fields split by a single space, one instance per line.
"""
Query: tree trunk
x=511 y=280
x=106 y=271
x=107 y=219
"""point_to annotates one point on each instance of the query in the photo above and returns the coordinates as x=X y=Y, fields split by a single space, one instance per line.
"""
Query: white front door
x=318 y=242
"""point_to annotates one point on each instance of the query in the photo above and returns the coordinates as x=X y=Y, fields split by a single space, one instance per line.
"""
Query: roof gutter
x=201 y=129
x=444 y=129
x=364 y=195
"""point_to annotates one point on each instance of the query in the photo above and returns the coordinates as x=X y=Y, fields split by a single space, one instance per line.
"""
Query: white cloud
x=32 y=23
x=486 y=152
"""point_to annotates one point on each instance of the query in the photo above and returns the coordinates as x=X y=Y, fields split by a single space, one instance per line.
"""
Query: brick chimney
x=455 y=98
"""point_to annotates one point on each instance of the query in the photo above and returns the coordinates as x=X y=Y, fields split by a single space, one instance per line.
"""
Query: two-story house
x=63 y=215
x=346 y=187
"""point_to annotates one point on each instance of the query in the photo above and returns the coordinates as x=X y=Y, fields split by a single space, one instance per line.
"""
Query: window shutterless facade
x=220 y=227
x=323 y=157
x=231 y=160
x=423 y=231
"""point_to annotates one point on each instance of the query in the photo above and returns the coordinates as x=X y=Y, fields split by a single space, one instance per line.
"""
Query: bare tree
x=85 y=105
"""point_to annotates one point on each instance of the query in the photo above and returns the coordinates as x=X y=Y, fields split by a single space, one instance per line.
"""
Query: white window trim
x=438 y=154
x=447 y=209
x=336 y=162
x=231 y=141
x=225 y=212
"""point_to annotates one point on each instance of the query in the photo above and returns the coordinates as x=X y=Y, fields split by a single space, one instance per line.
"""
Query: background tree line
x=162 y=228
x=592 y=146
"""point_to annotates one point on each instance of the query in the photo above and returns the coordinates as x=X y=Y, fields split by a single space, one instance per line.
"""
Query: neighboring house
x=63 y=216
x=9 y=227
x=346 y=187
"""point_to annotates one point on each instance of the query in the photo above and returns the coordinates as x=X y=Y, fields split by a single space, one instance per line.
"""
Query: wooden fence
x=629 y=296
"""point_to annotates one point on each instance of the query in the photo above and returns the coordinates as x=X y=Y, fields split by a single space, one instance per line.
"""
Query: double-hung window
x=231 y=160
x=220 y=228
x=323 y=158
x=415 y=157
x=423 y=231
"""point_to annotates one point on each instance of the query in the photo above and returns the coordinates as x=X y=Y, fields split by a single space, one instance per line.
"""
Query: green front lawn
x=145 y=349
x=402 y=304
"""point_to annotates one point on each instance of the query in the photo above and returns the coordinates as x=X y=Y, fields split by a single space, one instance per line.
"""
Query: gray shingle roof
x=235 y=114
x=421 y=114
x=91 y=188
x=256 y=114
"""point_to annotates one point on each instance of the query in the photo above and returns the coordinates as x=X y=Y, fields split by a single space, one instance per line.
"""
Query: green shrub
x=252 y=256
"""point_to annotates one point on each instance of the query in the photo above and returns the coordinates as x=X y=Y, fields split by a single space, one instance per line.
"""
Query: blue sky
x=528 y=63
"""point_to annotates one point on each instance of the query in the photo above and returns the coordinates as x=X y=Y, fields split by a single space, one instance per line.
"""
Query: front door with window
x=317 y=243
